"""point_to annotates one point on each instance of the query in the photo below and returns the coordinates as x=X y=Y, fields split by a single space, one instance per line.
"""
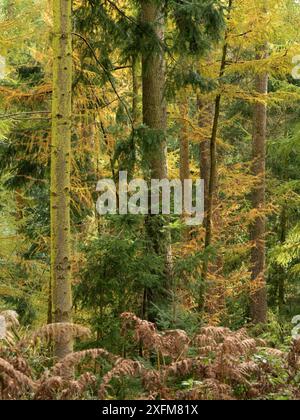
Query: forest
x=150 y=200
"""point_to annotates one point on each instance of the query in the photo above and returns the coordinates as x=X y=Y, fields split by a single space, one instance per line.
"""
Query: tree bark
x=135 y=92
x=60 y=170
x=206 y=115
x=155 y=120
x=153 y=80
x=258 y=300
x=184 y=143
x=282 y=273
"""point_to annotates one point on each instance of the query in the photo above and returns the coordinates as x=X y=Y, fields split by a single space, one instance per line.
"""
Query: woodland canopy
x=146 y=306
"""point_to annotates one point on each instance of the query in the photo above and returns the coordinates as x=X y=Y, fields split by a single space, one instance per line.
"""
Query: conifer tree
x=155 y=120
x=60 y=169
x=258 y=229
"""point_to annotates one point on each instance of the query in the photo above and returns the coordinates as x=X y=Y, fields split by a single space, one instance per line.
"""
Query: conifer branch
x=106 y=72
x=19 y=115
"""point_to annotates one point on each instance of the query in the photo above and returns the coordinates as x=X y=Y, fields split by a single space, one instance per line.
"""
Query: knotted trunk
x=60 y=170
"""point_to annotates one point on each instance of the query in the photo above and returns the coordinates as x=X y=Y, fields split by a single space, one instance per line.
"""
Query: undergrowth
x=216 y=363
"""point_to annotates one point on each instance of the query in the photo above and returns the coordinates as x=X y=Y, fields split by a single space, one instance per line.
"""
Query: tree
x=184 y=143
x=153 y=83
x=60 y=169
x=258 y=305
x=155 y=120
x=211 y=162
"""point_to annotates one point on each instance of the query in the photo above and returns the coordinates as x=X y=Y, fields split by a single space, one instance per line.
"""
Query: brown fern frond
x=294 y=355
x=20 y=380
x=20 y=364
x=203 y=341
x=152 y=381
x=273 y=352
x=233 y=345
x=75 y=389
x=217 y=333
x=213 y=389
x=49 y=388
x=72 y=360
x=248 y=368
x=58 y=331
x=172 y=343
x=123 y=367
x=209 y=389
x=181 y=368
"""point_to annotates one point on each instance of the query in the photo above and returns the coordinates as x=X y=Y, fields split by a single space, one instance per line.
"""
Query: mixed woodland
x=124 y=306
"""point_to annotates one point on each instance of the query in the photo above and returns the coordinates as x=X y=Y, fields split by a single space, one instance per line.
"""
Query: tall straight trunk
x=153 y=80
x=213 y=174
x=212 y=179
x=184 y=163
x=155 y=119
x=206 y=114
x=185 y=172
x=60 y=170
x=282 y=273
x=135 y=92
x=258 y=304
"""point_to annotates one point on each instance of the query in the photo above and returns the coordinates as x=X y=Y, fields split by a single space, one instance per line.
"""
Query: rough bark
x=60 y=170
x=155 y=119
x=135 y=92
x=185 y=172
x=258 y=304
x=281 y=270
x=153 y=80
x=184 y=147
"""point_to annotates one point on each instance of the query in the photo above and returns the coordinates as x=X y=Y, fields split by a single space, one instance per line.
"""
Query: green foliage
x=198 y=24
x=113 y=279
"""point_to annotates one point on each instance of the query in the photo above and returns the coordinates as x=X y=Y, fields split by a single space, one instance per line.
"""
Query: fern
x=219 y=362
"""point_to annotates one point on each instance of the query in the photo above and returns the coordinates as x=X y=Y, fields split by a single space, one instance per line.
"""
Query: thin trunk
x=184 y=144
x=135 y=92
x=20 y=205
x=258 y=305
x=281 y=290
x=213 y=154
x=50 y=301
x=60 y=170
x=282 y=273
x=185 y=172
x=213 y=174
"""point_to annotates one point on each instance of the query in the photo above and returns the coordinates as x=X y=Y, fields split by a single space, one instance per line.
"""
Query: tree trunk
x=212 y=179
x=185 y=172
x=206 y=115
x=135 y=92
x=154 y=78
x=184 y=145
x=258 y=305
x=282 y=272
x=155 y=120
x=60 y=170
